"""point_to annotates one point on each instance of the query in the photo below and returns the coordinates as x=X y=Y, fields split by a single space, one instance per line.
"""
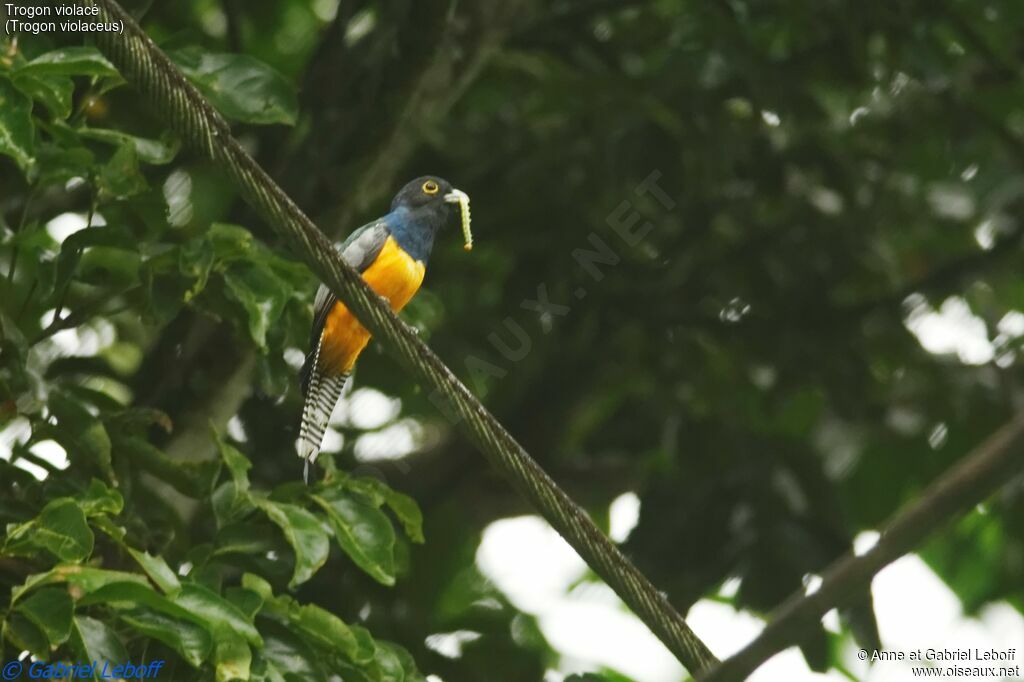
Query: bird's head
x=435 y=198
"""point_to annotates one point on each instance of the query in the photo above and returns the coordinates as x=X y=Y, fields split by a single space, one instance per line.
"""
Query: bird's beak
x=457 y=196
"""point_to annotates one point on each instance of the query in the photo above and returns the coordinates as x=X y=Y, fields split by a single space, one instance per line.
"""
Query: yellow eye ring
x=430 y=187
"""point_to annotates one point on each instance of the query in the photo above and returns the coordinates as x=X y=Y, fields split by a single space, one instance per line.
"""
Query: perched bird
x=391 y=253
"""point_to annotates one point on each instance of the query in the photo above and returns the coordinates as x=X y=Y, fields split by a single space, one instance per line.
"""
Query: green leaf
x=195 y=261
x=319 y=626
x=327 y=631
x=16 y=130
x=233 y=658
x=231 y=505
x=26 y=635
x=138 y=419
x=128 y=594
x=120 y=177
x=799 y=413
x=237 y=463
x=403 y=506
x=100 y=499
x=263 y=670
x=362 y=531
x=231 y=501
x=304 y=532
x=408 y=513
x=112 y=268
x=185 y=623
x=83 y=580
x=389 y=664
x=262 y=295
x=155 y=152
x=51 y=610
x=410 y=672
x=273 y=375
x=105 y=524
x=230 y=242
x=81 y=434
x=239 y=86
x=54 y=91
x=60 y=529
x=193 y=478
x=191 y=641
x=58 y=164
x=366 y=647
x=94 y=640
x=258 y=585
x=291 y=657
x=70 y=61
x=71 y=250
x=157 y=570
x=246 y=539
x=221 y=615
x=248 y=601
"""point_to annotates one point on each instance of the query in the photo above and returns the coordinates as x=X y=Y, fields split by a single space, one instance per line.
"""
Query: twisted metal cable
x=188 y=113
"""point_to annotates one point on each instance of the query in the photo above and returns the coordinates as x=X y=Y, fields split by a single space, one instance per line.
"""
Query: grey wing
x=359 y=250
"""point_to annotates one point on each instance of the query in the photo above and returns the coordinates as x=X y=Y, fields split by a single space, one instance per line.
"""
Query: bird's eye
x=430 y=187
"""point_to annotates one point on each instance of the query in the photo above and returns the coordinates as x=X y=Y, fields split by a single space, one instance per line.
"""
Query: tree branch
x=966 y=484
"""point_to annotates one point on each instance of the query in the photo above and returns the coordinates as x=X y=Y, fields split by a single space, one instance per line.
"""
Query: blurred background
x=746 y=278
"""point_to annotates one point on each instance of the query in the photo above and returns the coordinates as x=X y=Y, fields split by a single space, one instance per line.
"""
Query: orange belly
x=395 y=276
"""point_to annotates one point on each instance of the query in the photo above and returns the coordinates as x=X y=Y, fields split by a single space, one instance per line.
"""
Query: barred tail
x=322 y=393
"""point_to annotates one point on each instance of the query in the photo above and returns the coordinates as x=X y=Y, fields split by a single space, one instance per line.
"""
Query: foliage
x=106 y=577
x=837 y=174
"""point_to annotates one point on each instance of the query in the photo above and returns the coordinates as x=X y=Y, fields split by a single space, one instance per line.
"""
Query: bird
x=391 y=253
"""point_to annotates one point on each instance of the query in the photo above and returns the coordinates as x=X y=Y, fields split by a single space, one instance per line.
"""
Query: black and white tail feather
x=322 y=392
x=321 y=388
